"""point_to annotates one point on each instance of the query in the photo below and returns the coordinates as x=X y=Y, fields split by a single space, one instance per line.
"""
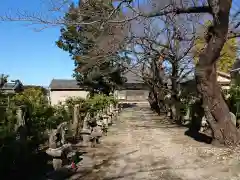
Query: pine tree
x=89 y=46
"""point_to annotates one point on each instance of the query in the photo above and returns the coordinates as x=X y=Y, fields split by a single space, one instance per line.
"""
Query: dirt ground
x=142 y=145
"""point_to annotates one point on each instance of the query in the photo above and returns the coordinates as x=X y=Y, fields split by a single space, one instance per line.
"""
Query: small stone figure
x=96 y=134
x=57 y=147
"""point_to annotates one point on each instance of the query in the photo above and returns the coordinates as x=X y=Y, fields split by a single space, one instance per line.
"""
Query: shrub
x=99 y=102
x=39 y=117
x=71 y=101
x=234 y=98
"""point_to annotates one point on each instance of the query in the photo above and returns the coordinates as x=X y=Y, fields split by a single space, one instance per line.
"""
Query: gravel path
x=142 y=145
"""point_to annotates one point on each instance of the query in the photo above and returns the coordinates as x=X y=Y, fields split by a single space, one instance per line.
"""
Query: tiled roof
x=12 y=87
x=64 y=84
x=8 y=86
x=132 y=76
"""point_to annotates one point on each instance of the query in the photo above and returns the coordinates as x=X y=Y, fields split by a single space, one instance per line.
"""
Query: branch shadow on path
x=94 y=172
x=162 y=122
x=165 y=174
x=197 y=136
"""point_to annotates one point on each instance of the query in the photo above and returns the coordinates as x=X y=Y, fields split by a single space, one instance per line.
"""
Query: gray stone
x=96 y=135
x=97 y=132
x=85 y=121
x=105 y=120
x=110 y=119
x=57 y=164
x=54 y=136
x=233 y=118
x=99 y=123
x=86 y=133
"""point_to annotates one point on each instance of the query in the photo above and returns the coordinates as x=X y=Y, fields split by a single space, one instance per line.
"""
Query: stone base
x=57 y=164
x=105 y=122
x=58 y=151
x=86 y=140
x=110 y=120
x=86 y=134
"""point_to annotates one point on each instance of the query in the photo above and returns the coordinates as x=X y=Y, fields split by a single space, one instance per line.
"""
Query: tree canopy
x=96 y=64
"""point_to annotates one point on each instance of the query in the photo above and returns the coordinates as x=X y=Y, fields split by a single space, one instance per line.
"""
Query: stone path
x=142 y=145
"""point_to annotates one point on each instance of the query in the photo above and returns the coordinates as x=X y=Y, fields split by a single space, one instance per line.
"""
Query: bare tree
x=169 y=44
x=216 y=110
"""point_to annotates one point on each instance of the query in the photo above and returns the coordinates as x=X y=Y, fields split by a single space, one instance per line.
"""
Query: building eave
x=68 y=89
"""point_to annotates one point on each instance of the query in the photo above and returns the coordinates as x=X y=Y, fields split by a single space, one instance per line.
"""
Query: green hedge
x=39 y=116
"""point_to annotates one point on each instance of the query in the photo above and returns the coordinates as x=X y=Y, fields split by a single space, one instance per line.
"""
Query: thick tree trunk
x=216 y=110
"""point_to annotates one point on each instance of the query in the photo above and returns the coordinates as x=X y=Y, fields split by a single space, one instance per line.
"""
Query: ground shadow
x=87 y=173
x=128 y=105
x=32 y=166
x=164 y=174
x=60 y=174
x=198 y=136
x=157 y=168
x=192 y=131
x=157 y=126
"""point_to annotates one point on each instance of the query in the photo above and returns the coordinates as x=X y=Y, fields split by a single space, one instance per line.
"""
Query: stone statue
x=57 y=136
x=96 y=134
x=57 y=147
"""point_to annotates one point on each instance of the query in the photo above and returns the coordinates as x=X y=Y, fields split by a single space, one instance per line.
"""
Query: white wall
x=132 y=95
x=61 y=96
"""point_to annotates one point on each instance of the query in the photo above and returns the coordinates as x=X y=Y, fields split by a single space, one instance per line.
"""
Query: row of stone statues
x=96 y=125
x=90 y=129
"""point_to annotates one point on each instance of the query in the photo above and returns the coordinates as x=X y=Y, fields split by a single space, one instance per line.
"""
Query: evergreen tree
x=97 y=64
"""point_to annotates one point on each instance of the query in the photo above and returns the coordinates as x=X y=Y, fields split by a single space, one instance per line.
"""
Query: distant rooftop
x=12 y=87
x=64 y=84
x=71 y=84
x=8 y=86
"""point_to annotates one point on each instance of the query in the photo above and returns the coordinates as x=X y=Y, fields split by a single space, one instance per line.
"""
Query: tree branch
x=188 y=10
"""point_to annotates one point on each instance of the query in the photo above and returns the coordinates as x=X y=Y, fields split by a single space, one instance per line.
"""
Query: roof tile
x=132 y=76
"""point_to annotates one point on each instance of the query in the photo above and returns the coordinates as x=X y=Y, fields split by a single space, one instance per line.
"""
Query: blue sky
x=31 y=56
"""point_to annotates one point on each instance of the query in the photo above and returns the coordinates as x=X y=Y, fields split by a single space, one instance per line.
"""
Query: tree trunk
x=157 y=76
x=175 y=101
x=216 y=110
